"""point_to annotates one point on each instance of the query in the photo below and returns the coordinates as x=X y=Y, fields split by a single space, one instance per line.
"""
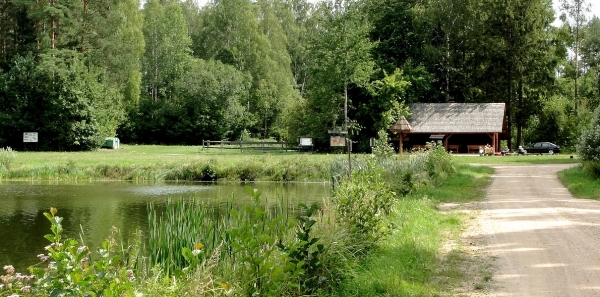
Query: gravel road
x=543 y=242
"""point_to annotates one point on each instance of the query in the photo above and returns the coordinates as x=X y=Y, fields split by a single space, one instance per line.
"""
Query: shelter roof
x=402 y=125
x=437 y=118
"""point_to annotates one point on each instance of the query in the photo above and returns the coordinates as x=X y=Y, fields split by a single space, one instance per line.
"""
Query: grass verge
x=409 y=262
x=580 y=183
x=529 y=159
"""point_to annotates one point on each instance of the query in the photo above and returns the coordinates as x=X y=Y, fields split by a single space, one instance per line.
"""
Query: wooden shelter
x=402 y=126
x=463 y=127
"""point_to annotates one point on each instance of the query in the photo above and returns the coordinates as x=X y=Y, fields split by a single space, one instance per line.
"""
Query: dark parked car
x=543 y=148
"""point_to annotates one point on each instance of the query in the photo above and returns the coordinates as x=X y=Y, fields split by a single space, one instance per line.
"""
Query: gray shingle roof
x=456 y=117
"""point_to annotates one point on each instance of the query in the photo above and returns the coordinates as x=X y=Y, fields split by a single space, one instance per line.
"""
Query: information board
x=30 y=137
x=337 y=141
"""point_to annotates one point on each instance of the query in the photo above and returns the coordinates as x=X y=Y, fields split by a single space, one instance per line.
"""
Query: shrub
x=439 y=162
x=592 y=169
x=252 y=242
x=362 y=201
x=383 y=148
x=68 y=268
x=589 y=143
x=7 y=156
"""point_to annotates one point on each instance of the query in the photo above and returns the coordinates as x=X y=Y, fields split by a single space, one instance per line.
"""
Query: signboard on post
x=30 y=137
x=337 y=141
x=306 y=141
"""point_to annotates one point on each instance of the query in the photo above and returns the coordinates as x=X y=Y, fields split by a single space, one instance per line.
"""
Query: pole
x=349 y=145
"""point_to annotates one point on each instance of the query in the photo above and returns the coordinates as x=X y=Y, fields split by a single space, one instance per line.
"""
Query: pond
x=90 y=209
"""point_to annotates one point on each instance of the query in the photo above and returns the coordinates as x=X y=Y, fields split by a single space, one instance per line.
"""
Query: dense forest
x=171 y=72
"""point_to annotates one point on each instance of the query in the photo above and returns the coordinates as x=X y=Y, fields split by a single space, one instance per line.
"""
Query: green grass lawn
x=149 y=162
x=152 y=155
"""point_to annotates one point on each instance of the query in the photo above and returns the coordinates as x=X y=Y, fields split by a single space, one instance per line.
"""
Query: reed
x=183 y=224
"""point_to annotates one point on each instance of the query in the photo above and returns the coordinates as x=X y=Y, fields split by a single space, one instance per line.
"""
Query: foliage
x=183 y=227
x=14 y=283
x=439 y=162
x=252 y=241
x=70 y=269
x=589 y=144
x=61 y=99
x=582 y=181
x=206 y=105
x=305 y=252
x=7 y=156
x=412 y=251
x=383 y=149
x=362 y=201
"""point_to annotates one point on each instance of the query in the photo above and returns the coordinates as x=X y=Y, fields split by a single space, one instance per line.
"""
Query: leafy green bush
x=592 y=169
x=252 y=242
x=383 y=148
x=7 y=156
x=439 y=162
x=69 y=269
x=362 y=201
x=589 y=143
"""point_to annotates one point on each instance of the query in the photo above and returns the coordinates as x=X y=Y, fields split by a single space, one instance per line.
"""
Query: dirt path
x=543 y=242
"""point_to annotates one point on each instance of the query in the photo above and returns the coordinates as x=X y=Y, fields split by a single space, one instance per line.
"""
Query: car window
x=537 y=145
x=545 y=144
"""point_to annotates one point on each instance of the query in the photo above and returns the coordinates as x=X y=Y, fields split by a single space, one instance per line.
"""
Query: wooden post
x=401 y=148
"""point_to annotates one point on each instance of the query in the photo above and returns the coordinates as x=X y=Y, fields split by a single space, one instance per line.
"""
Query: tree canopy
x=171 y=72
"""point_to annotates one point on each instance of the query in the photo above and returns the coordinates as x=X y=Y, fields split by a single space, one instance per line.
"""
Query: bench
x=453 y=148
x=474 y=148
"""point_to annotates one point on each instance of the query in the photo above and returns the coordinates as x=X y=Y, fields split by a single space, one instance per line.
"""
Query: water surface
x=92 y=208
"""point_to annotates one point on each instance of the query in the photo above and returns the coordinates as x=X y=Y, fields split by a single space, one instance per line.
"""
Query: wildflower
x=43 y=257
x=84 y=261
x=53 y=211
x=198 y=246
x=81 y=248
x=26 y=289
x=226 y=287
x=9 y=269
x=196 y=252
x=130 y=275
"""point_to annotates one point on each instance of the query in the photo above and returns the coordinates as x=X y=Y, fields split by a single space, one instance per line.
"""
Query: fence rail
x=248 y=145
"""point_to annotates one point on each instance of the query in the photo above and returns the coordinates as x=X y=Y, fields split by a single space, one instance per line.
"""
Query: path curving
x=543 y=241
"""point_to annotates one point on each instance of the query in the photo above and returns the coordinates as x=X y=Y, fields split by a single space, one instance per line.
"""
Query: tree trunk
x=577 y=20
x=519 y=119
x=85 y=3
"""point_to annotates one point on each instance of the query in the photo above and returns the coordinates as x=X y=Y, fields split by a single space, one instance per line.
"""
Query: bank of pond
x=308 y=241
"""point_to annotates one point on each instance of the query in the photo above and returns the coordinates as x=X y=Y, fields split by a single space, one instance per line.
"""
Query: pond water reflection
x=94 y=207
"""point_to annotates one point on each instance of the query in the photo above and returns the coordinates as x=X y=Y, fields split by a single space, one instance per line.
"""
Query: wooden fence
x=248 y=145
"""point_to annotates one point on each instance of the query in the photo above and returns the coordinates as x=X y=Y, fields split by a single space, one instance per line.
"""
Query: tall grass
x=7 y=157
x=183 y=224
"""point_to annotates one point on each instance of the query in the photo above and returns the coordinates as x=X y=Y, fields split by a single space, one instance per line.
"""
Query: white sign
x=30 y=137
x=305 y=141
